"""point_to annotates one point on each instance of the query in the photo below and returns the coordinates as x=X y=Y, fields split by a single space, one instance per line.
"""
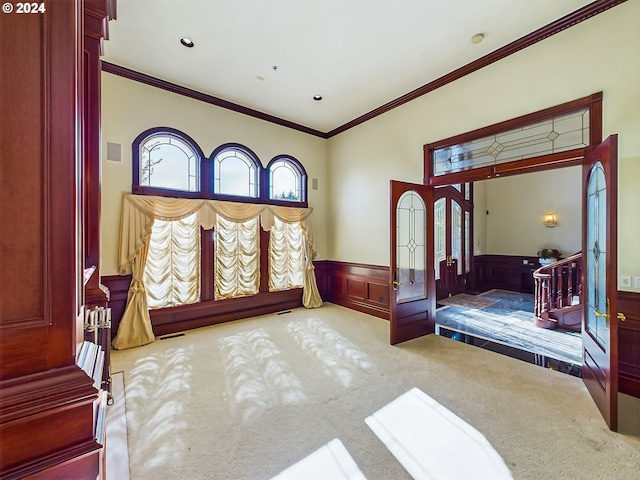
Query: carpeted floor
x=249 y=399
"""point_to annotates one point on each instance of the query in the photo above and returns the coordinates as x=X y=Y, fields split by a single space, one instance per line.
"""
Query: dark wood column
x=46 y=400
x=96 y=15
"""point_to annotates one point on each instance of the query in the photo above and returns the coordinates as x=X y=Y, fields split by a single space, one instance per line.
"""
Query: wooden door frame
x=576 y=157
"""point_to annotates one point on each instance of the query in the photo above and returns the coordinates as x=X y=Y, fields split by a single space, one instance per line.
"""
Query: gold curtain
x=237 y=258
x=310 y=294
x=138 y=215
x=135 y=326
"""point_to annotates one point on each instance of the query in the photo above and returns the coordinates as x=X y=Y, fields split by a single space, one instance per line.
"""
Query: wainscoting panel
x=364 y=288
x=507 y=272
x=629 y=344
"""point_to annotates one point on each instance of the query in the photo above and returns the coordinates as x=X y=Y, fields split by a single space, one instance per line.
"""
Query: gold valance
x=139 y=212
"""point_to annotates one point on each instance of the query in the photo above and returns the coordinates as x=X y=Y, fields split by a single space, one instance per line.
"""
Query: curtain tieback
x=137 y=286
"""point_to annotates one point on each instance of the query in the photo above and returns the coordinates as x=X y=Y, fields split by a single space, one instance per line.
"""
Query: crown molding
x=547 y=31
x=203 y=97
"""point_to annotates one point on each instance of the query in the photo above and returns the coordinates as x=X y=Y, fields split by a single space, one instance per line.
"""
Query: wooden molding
x=558 y=26
x=170 y=320
x=59 y=400
x=208 y=312
x=203 y=97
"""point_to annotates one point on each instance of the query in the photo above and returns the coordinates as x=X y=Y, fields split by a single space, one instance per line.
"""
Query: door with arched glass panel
x=412 y=296
x=600 y=326
x=453 y=236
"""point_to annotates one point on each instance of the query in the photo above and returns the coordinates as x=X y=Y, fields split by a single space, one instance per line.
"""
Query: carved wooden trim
x=360 y=287
x=40 y=392
x=59 y=400
x=76 y=461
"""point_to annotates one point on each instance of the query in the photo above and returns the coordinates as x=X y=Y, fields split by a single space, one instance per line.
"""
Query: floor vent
x=167 y=337
x=286 y=311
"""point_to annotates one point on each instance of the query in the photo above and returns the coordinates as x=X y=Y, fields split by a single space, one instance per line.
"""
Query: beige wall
x=516 y=207
x=129 y=108
x=600 y=54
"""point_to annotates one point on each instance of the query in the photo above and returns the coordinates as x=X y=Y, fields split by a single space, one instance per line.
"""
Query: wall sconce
x=550 y=219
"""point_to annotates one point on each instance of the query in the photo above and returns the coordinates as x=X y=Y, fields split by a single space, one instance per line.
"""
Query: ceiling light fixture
x=317 y=98
x=187 y=42
x=477 y=38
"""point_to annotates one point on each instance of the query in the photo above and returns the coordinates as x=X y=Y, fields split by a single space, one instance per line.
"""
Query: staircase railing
x=557 y=285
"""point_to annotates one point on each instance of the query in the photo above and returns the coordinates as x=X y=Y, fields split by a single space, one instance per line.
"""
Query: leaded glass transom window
x=557 y=134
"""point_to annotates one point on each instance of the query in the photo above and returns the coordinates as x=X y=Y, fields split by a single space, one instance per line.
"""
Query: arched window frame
x=257 y=173
x=302 y=176
x=150 y=190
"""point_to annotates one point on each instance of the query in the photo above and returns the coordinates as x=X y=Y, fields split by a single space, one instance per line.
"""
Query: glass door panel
x=596 y=322
x=440 y=234
x=411 y=214
x=456 y=235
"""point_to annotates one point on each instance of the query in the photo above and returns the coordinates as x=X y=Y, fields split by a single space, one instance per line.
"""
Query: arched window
x=287 y=180
x=188 y=264
x=236 y=171
x=165 y=158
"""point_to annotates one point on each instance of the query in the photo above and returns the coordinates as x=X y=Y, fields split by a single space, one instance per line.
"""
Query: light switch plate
x=636 y=282
x=625 y=280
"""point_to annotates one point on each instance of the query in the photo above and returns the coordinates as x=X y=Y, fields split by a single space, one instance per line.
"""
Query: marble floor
x=502 y=321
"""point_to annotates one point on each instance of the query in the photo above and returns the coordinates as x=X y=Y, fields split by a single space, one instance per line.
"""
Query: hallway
x=502 y=321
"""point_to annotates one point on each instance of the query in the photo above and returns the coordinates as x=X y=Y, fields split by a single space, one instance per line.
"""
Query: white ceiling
x=357 y=54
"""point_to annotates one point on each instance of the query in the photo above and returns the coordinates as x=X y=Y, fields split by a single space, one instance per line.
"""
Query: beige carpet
x=251 y=399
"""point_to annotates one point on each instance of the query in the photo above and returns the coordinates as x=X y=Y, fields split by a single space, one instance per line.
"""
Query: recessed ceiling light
x=477 y=38
x=187 y=42
x=317 y=98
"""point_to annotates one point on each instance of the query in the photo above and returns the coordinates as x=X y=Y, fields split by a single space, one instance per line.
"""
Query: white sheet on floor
x=433 y=443
x=331 y=461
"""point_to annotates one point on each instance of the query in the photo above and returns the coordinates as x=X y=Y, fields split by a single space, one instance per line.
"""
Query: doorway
x=453 y=238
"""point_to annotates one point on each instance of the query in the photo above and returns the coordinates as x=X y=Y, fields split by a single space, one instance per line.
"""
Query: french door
x=412 y=296
x=453 y=238
x=599 y=244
